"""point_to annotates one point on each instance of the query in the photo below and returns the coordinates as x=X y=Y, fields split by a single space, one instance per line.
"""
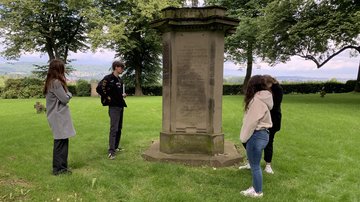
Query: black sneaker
x=111 y=156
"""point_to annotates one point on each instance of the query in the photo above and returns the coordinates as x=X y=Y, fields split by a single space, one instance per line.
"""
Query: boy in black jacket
x=113 y=91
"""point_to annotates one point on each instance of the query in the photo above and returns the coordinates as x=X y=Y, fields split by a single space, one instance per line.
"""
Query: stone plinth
x=93 y=89
x=193 y=57
x=230 y=156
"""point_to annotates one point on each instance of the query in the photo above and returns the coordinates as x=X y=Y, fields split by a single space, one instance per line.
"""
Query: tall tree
x=314 y=30
x=124 y=26
x=52 y=27
x=241 y=47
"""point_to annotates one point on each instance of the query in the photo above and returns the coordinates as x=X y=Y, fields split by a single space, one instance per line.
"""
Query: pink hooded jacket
x=257 y=116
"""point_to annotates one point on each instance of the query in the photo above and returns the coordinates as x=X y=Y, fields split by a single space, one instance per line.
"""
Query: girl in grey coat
x=58 y=114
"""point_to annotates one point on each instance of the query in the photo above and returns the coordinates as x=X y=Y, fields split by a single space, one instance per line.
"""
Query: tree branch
x=318 y=64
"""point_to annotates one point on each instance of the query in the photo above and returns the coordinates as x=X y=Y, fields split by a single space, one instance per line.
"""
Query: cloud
x=102 y=56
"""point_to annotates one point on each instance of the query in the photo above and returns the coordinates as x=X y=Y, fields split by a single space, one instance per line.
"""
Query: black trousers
x=268 y=151
x=116 y=121
x=60 y=155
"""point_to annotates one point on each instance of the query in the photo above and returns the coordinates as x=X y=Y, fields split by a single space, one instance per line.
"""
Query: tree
x=313 y=30
x=242 y=46
x=124 y=26
x=52 y=27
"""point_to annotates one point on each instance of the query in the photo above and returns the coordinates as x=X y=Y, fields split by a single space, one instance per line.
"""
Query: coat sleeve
x=256 y=111
x=60 y=93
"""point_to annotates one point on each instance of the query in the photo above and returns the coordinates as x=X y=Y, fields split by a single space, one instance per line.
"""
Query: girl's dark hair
x=56 y=71
x=256 y=83
x=270 y=80
x=117 y=63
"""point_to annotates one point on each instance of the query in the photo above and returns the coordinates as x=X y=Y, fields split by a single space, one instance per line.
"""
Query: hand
x=124 y=95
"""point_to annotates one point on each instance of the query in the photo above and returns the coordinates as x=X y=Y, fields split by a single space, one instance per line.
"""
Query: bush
x=23 y=88
x=32 y=91
x=350 y=85
x=72 y=89
x=232 y=89
x=10 y=94
x=83 y=88
x=12 y=84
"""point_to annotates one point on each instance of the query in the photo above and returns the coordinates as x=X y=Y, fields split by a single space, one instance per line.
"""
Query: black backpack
x=99 y=90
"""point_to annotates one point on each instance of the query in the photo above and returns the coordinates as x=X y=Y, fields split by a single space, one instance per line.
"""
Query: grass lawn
x=316 y=155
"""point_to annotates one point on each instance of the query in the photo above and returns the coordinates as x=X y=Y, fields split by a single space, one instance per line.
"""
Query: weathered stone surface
x=193 y=55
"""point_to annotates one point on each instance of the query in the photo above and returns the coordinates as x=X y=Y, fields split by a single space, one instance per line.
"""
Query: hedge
x=32 y=88
x=302 y=88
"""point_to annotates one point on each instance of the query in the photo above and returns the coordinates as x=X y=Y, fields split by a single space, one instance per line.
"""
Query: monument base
x=210 y=144
x=230 y=157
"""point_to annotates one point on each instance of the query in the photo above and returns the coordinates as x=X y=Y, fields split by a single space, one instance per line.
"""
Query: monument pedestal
x=193 y=58
x=229 y=157
x=183 y=143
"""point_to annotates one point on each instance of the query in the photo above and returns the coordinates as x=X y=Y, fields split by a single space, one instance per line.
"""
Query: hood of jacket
x=266 y=97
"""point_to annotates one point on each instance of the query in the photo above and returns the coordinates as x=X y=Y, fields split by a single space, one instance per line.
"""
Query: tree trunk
x=249 y=61
x=49 y=49
x=357 y=85
x=138 y=89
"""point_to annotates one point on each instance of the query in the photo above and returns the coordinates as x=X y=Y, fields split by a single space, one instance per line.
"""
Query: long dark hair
x=256 y=83
x=56 y=71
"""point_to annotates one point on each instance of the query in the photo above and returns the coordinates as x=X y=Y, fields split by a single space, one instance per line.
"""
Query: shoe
x=119 y=149
x=246 y=166
x=63 y=172
x=251 y=193
x=111 y=156
x=268 y=169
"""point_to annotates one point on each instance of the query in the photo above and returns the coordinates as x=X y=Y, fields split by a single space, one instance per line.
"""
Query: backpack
x=99 y=90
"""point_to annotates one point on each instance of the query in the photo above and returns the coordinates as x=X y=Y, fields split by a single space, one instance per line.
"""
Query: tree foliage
x=124 y=26
x=242 y=46
x=314 y=30
x=52 y=27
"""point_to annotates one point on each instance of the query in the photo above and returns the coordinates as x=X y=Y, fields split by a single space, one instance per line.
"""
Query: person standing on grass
x=275 y=112
x=58 y=114
x=254 y=131
x=112 y=88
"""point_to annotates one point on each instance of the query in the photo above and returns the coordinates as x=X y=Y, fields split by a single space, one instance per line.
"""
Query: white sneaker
x=246 y=166
x=268 y=169
x=251 y=193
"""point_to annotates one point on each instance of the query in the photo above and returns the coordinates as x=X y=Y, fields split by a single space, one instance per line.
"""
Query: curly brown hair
x=256 y=83
x=56 y=71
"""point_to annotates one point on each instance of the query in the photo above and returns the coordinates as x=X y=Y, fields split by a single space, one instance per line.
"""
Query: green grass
x=316 y=155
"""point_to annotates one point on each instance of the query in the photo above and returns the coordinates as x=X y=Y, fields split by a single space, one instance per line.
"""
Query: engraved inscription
x=192 y=64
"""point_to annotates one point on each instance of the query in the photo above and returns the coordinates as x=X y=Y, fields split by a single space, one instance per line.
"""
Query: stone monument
x=193 y=57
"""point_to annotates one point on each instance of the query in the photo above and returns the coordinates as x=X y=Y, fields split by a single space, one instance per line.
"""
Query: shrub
x=83 y=88
x=23 y=88
x=72 y=89
x=10 y=94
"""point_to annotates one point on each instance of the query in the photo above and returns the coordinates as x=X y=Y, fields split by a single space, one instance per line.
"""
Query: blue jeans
x=254 y=148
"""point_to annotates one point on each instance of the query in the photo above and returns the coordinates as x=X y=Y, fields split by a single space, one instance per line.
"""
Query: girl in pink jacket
x=254 y=131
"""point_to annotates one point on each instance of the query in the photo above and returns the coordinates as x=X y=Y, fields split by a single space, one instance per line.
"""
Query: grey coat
x=58 y=113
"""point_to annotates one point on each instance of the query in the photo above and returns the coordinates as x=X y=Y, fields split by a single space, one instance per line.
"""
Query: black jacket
x=112 y=88
x=277 y=92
